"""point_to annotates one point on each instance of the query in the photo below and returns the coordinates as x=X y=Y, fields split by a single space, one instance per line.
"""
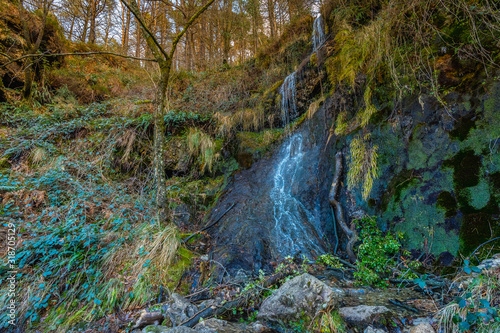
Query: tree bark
x=32 y=47
x=271 y=17
x=164 y=60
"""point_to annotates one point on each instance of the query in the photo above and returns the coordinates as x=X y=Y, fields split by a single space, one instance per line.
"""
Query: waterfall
x=294 y=223
x=295 y=227
x=318 y=37
x=288 y=99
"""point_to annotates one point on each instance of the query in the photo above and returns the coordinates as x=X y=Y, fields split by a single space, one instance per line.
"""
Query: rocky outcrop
x=302 y=296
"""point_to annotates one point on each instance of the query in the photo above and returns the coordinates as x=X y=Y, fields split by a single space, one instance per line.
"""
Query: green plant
x=363 y=164
x=376 y=254
x=476 y=308
x=329 y=260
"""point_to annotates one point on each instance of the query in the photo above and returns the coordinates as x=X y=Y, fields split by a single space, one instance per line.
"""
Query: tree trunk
x=271 y=17
x=72 y=27
x=93 y=21
x=159 y=137
x=28 y=80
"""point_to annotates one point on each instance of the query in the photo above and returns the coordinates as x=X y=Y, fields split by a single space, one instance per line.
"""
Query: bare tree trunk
x=108 y=28
x=32 y=47
x=72 y=27
x=93 y=21
x=164 y=60
x=271 y=17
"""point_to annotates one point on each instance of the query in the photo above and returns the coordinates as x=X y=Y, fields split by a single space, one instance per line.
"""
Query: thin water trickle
x=288 y=100
x=318 y=37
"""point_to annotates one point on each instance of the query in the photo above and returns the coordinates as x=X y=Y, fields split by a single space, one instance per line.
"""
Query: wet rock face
x=303 y=296
x=436 y=173
x=251 y=236
x=439 y=183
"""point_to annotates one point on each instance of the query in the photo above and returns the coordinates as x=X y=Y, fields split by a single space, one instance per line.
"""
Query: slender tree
x=164 y=60
x=32 y=46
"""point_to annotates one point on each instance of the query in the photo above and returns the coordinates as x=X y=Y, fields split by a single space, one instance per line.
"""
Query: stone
x=363 y=315
x=180 y=309
x=490 y=264
x=422 y=328
x=221 y=326
x=163 y=329
x=301 y=296
x=371 y=329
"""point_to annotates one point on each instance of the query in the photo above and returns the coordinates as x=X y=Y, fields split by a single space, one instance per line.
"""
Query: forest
x=250 y=166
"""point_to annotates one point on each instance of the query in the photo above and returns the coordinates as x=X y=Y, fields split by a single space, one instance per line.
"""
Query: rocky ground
x=327 y=302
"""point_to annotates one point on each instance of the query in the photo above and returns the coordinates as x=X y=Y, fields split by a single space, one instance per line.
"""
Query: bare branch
x=187 y=25
x=45 y=55
x=151 y=39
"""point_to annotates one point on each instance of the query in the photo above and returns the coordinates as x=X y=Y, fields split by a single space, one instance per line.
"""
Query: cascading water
x=294 y=223
x=318 y=37
x=288 y=99
x=280 y=202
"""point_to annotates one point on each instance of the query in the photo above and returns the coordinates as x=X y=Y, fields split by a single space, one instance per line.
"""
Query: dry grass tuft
x=202 y=146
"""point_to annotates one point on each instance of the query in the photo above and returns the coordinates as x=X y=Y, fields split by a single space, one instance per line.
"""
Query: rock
x=221 y=326
x=149 y=318
x=180 y=309
x=163 y=329
x=181 y=215
x=302 y=296
x=371 y=329
x=422 y=328
x=490 y=264
x=362 y=315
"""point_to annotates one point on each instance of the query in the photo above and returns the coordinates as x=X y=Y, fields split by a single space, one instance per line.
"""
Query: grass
x=477 y=306
x=87 y=240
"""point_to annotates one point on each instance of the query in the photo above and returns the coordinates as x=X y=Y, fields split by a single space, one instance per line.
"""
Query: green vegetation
x=376 y=254
x=476 y=308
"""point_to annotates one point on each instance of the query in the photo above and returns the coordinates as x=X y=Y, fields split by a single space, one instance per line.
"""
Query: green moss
x=463 y=127
x=176 y=270
x=475 y=230
x=447 y=202
x=466 y=166
x=397 y=184
x=478 y=195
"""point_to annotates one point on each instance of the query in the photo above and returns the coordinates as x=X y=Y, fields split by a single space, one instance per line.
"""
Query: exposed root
x=351 y=233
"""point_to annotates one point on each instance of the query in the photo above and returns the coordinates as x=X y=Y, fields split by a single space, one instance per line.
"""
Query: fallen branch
x=351 y=234
x=430 y=282
x=211 y=225
x=404 y=306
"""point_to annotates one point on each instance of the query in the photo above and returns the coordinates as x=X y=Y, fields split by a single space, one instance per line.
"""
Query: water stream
x=318 y=37
x=294 y=223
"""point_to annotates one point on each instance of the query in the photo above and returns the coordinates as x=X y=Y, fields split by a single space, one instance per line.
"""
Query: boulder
x=422 y=328
x=363 y=315
x=302 y=296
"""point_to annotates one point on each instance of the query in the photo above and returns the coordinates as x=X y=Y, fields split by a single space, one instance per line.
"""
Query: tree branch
x=150 y=38
x=187 y=25
x=42 y=55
